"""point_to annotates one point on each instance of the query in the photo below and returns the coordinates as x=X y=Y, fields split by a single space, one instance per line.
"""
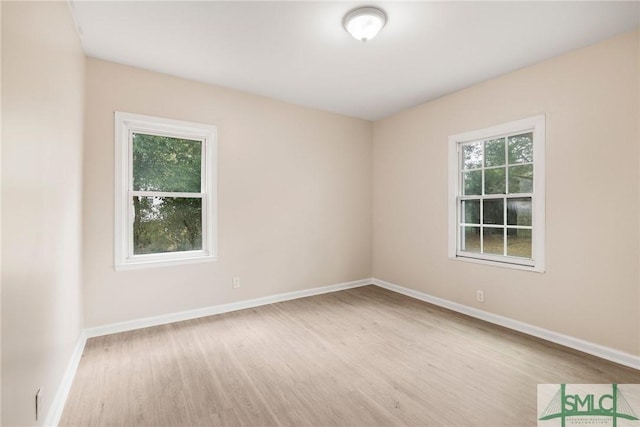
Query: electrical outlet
x=236 y=282
x=38 y=402
x=480 y=296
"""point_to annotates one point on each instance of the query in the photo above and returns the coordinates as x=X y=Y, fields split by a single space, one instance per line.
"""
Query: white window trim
x=536 y=125
x=125 y=124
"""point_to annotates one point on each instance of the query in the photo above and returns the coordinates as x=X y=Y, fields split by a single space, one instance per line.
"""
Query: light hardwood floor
x=361 y=357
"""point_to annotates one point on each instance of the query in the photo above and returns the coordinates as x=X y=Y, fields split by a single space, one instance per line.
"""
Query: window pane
x=521 y=148
x=494 y=181
x=470 y=212
x=470 y=239
x=167 y=224
x=519 y=242
x=494 y=152
x=519 y=211
x=493 y=241
x=472 y=183
x=161 y=163
x=472 y=155
x=493 y=211
x=521 y=179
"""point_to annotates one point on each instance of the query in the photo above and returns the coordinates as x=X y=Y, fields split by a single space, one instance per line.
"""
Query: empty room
x=299 y=213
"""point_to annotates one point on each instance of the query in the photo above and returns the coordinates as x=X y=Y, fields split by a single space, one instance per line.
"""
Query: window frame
x=534 y=124
x=126 y=124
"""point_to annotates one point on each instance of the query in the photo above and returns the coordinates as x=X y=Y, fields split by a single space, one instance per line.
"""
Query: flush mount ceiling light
x=364 y=23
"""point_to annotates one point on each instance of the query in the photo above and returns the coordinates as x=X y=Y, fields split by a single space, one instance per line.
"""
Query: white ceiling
x=300 y=53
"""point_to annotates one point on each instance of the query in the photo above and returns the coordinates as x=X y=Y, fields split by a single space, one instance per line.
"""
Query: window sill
x=153 y=263
x=533 y=268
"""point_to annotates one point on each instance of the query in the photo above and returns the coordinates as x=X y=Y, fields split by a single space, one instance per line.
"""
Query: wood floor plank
x=365 y=356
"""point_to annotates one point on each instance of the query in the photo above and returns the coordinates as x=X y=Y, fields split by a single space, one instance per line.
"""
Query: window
x=165 y=199
x=496 y=195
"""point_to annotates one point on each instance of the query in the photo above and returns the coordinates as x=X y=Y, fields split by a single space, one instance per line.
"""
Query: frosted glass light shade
x=365 y=23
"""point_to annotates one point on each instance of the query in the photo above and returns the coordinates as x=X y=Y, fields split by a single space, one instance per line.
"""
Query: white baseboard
x=217 y=309
x=603 y=352
x=60 y=398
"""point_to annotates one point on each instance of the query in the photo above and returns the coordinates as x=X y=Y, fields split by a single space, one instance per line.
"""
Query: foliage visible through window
x=499 y=208
x=164 y=165
x=165 y=199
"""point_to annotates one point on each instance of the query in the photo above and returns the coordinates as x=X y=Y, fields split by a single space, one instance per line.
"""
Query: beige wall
x=294 y=197
x=42 y=120
x=592 y=284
